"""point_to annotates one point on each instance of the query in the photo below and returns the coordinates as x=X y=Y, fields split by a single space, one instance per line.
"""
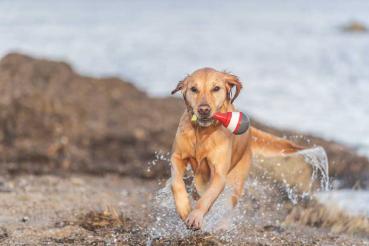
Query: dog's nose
x=204 y=110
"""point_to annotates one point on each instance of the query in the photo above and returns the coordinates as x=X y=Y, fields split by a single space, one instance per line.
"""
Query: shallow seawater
x=351 y=201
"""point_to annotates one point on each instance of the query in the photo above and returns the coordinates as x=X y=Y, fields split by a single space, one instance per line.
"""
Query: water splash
x=317 y=158
x=159 y=156
x=256 y=207
x=166 y=221
x=259 y=206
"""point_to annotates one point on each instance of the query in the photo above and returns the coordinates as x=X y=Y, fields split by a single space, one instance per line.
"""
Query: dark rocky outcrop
x=52 y=119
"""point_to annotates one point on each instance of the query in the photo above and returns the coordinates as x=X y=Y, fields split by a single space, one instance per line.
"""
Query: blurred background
x=304 y=64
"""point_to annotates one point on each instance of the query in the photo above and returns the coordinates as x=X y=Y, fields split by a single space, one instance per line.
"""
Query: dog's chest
x=196 y=148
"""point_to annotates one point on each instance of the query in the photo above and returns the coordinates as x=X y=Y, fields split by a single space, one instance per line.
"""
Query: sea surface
x=299 y=69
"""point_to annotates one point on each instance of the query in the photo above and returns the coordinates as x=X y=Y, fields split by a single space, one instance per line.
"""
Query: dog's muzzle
x=203 y=122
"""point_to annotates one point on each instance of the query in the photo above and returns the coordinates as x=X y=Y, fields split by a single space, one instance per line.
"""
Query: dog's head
x=206 y=91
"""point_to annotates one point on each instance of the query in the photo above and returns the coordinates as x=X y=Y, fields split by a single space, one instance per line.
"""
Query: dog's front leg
x=180 y=194
x=217 y=184
x=195 y=218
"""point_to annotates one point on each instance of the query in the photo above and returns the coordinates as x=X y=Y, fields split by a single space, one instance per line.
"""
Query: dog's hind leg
x=235 y=181
x=237 y=176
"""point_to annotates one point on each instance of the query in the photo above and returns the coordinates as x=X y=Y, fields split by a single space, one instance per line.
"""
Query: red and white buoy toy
x=236 y=122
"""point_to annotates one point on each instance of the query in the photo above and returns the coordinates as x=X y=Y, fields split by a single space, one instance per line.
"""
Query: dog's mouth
x=205 y=122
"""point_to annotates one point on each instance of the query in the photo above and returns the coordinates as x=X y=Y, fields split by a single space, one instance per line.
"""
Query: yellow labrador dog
x=217 y=157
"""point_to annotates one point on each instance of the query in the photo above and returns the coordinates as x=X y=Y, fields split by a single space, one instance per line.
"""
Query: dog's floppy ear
x=232 y=81
x=181 y=84
x=179 y=87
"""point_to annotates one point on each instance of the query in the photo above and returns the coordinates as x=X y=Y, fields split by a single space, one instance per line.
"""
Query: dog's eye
x=216 y=88
x=194 y=89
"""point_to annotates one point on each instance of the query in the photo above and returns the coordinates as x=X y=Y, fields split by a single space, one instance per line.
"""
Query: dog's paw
x=195 y=219
x=183 y=210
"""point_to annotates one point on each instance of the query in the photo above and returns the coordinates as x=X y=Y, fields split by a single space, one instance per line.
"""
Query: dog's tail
x=266 y=144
